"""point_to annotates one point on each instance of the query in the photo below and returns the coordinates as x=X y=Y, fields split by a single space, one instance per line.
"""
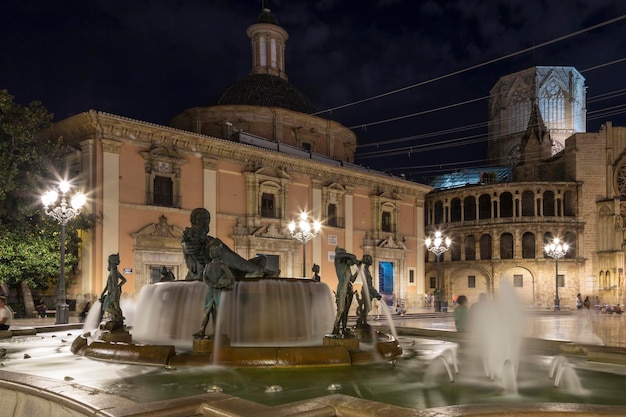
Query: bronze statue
x=218 y=277
x=110 y=297
x=368 y=293
x=344 y=294
x=210 y=260
x=167 y=275
x=196 y=242
x=316 y=273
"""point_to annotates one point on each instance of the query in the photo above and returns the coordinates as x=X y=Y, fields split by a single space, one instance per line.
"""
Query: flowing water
x=430 y=373
x=413 y=382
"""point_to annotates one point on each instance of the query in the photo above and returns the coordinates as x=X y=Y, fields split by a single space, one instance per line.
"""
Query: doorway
x=385 y=279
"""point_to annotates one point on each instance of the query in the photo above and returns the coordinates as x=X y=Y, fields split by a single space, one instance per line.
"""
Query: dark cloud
x=150 y=60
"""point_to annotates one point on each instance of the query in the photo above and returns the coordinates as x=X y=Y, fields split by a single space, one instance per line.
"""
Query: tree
x=29 y=240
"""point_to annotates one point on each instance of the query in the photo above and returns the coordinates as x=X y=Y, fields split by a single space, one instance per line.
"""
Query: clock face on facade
x=620 y=179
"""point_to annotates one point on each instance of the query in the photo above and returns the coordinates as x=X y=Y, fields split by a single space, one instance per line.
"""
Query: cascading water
x=169 y=313
x=276 y=312
x=256 y=312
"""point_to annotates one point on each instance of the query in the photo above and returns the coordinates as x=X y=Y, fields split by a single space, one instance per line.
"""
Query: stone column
x=209 y=185
x=110 y=200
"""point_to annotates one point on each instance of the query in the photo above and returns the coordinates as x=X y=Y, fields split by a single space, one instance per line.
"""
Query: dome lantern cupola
x=268 y=40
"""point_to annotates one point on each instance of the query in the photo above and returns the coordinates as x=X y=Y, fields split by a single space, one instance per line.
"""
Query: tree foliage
x=30 y=240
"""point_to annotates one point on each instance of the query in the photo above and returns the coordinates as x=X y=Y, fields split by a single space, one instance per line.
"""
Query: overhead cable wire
x=467 y=102
x=604 y=96
x=472 y=139
x=461 y=71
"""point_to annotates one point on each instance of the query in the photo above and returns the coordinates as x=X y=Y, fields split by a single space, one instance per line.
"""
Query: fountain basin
x=335 y=352
x=271 y=322
x=55 y=379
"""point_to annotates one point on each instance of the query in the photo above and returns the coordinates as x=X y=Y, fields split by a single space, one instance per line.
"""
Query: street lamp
x=438 y=246
x=303 y=231
x=556 y=250
x=63 y=214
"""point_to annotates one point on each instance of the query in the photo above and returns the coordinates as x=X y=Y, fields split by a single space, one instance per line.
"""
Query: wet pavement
x=586 y=326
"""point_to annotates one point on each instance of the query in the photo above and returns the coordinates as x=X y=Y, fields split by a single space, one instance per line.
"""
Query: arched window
x=528 y=203
x=547 y=238
x=553 y=104
x=570 y=239
x=455 y=251
x=469 y=208
x=548 y=203
x=519 y=110
x=569 y=204
x=455 y=210
x=485 y=247
x=506 y=204
x=438 y=212
x=484 y=207
x=470 y=248
x=601 y=280
x=528 y=245
x=506 y=246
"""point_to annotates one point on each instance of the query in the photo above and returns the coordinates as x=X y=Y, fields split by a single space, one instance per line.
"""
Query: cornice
x=139 y=133
x=537 y=187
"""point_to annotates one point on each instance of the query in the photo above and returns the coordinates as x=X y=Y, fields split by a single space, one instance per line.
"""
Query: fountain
x=258 y=319
x=271 y=352
x=261 y=322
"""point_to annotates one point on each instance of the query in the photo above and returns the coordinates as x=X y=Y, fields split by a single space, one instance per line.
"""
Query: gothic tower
x=560 y=96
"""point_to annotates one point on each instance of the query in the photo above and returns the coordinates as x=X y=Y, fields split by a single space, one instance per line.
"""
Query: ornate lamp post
x=63 y=213
x=556 y=250
x=303 y=231
x=438 y=245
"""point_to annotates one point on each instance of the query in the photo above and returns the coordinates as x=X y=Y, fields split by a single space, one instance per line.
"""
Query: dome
x=268 y=91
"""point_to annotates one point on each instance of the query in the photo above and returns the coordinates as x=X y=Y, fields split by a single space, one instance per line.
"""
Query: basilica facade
x=553 y=181
x=255 y=159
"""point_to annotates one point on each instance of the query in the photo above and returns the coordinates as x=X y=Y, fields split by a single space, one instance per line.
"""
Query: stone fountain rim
x=26 y=393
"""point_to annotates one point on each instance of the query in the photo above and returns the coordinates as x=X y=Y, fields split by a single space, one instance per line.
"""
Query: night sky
x=369 y=64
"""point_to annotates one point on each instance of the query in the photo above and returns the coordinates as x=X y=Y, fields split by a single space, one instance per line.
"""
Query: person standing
x=579 y=302
x=461 y=313
x=587 y=303
x=6 y=314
